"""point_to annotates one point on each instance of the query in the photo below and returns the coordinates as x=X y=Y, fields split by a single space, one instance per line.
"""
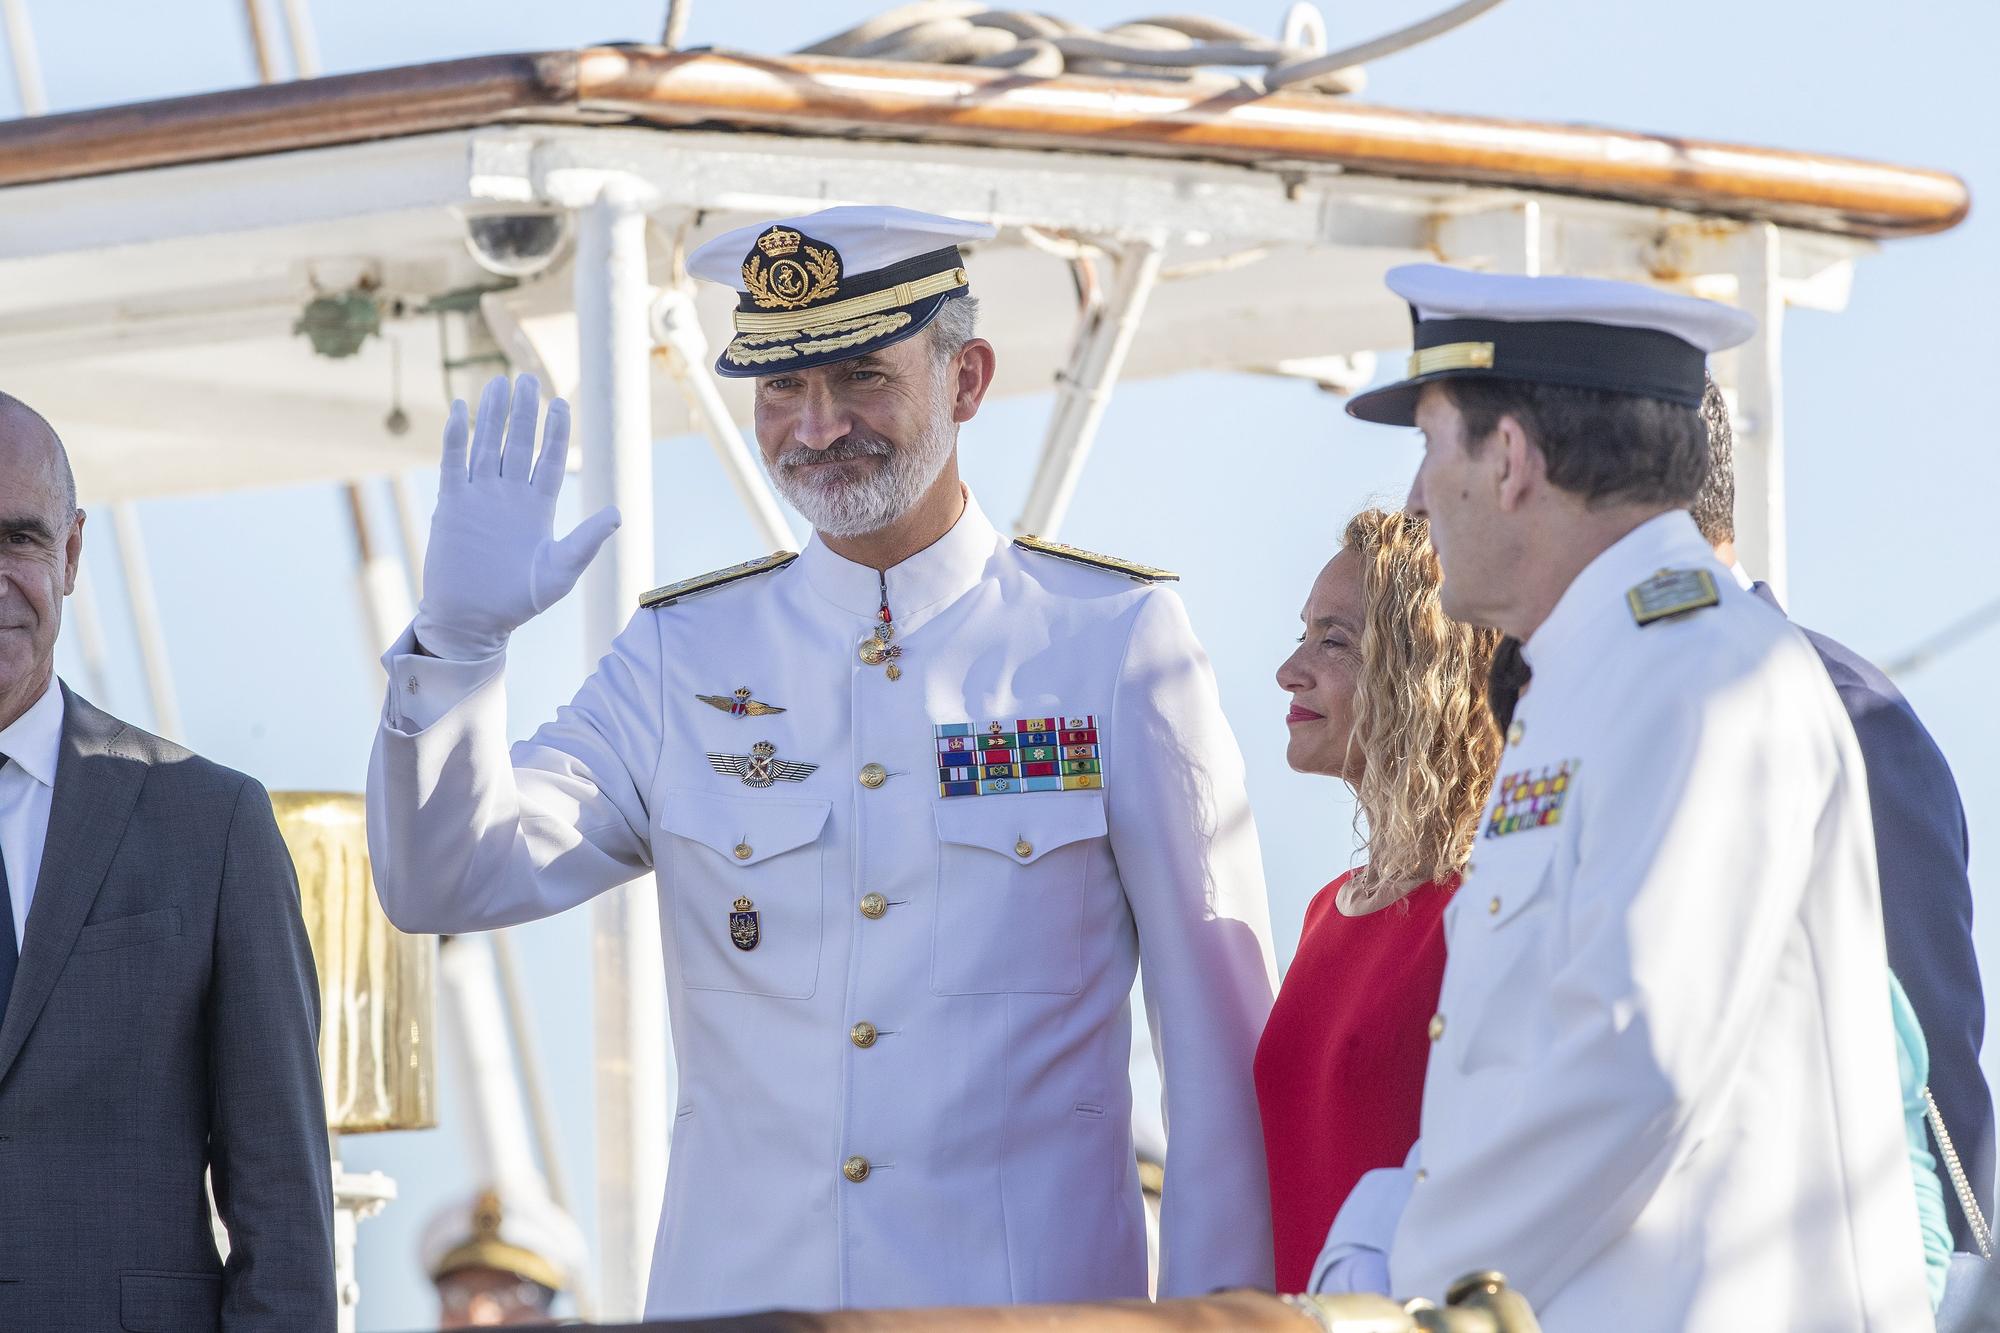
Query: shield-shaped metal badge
x=744 y=931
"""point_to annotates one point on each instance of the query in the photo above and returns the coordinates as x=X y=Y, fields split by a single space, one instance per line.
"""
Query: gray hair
x=1715 y=508
x=953 y=327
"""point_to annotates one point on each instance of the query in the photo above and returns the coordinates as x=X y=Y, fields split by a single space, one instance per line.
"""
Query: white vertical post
x=1085 y=386
x=614 y=412
x=145 y=609
x=680 y=336
x=1759 y=425
x=27 y=64
x=82 y=613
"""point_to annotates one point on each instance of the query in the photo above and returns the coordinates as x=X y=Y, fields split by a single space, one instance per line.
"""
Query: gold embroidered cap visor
x=799 y=309
x=1647 y=363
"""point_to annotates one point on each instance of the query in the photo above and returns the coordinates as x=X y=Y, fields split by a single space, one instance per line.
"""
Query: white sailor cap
x=833 y=285
x=1587 y=333
x=511 y=1228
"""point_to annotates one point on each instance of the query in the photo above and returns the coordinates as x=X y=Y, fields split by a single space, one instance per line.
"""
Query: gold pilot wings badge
x=1669 y=593
x=739 y=704
x=761 y=767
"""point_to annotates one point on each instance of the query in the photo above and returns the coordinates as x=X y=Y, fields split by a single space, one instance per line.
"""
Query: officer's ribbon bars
x=1023 y=754
x=1531 y=799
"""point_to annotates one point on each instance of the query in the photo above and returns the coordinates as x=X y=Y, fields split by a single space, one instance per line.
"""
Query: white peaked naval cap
x=1589 y=333
x=835 y=284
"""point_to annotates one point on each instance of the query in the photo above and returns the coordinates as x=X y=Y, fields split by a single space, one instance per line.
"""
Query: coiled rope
x=966 y=32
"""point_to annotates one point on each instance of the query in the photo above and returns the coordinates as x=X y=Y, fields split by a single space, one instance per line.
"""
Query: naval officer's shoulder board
x=1670 y=593
x=674 y=592
x=1130 y=569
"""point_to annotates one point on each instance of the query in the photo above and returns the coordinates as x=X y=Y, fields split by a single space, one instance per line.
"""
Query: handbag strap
x=1982 y=1235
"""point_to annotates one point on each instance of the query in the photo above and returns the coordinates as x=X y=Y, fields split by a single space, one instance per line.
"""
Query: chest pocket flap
x=726 y=824
x=1006 y=824
x=1014 y=877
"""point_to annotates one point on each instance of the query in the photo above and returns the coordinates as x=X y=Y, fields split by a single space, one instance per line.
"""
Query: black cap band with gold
x=1648 y=363
x=799 y=309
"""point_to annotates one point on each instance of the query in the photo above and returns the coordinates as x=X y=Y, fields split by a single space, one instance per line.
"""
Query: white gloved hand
x=493 y=562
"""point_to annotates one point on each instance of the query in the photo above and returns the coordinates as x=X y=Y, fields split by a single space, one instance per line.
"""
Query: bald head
x=41 y=544
x=26 y=434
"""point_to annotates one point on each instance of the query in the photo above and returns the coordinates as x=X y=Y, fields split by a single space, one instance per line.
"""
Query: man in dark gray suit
x=1922 y=853
x=159 y=1010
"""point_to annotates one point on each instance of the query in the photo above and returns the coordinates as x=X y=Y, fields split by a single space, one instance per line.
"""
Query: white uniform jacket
x=1663 y=1094
x=862 y=969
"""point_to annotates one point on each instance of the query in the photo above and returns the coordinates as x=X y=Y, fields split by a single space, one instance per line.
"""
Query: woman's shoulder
x=1418 y=910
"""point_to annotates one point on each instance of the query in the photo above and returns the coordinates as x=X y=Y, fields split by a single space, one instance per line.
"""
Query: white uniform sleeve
x=466 y=836
x=1356 y=1254
x=1699 y=820
x=1187 y=855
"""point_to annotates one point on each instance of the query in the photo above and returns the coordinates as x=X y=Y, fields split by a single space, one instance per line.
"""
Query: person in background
x=1388 y=695
x=1922 y=856
x=500 y=1258
x=1922 y=851
x=159 y=1009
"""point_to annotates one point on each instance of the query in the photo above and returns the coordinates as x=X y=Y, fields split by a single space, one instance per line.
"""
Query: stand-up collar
x=1596 y=596
x=928 y=580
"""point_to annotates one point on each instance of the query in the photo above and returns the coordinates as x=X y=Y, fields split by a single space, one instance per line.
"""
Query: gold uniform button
x=873 y=776
x=1494 y=906
x=1024 y=849
x=873 y=905
x=1515 y=732
x=1437 y=1027
x=862 y=1035
x=1422 y=1175
x=855 y=1169
x=743 y=852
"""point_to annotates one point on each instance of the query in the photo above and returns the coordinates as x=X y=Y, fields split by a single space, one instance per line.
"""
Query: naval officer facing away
x=919 y=802
x=1662 y=1092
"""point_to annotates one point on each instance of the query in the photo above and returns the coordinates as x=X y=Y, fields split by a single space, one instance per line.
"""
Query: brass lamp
x=378 y=1003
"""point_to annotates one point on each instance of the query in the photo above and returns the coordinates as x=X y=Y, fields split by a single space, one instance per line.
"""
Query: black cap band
x=1646 y=363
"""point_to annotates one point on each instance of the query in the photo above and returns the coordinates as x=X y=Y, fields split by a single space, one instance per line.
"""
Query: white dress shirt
x=33 y=741
x=905 y=1081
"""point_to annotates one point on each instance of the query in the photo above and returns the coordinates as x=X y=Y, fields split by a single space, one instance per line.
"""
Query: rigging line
x=1946 y=639
x=1376 y=48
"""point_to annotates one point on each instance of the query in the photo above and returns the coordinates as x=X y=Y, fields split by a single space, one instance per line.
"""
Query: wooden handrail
x=967 y=105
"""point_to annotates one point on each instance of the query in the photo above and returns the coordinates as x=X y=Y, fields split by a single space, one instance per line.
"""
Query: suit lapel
x=96 y=789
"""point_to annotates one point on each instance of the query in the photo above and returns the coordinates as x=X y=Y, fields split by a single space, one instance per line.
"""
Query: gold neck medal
x=877 y=649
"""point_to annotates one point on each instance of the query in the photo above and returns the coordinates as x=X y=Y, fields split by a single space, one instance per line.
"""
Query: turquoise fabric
x=1913 y=1064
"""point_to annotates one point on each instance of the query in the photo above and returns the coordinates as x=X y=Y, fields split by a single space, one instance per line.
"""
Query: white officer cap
x=1588 y=333
x=833 y=285
x=512 y=1228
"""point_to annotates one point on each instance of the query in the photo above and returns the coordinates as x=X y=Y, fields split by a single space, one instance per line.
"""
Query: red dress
x=1340 y=1068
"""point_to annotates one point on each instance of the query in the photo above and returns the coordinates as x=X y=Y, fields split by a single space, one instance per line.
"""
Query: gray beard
x=856 y=508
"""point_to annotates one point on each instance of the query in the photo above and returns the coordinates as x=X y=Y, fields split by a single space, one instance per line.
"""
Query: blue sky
x=1891 y=452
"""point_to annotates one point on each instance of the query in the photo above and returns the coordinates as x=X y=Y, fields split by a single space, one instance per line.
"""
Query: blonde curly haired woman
x=1388 y=695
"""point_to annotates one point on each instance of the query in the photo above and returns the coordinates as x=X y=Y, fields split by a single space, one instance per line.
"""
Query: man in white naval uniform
x=918 y=801
x=1663 y=1092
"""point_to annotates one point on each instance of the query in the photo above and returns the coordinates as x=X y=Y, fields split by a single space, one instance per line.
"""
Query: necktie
x=1509 y=676
x=10 y=953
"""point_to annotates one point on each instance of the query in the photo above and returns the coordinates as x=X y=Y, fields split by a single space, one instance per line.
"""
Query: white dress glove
x=494 y=562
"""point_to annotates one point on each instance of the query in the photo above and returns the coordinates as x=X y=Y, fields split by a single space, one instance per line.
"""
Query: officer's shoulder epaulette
x=1669 y=593
x=673 y=592
x=1130 y=569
